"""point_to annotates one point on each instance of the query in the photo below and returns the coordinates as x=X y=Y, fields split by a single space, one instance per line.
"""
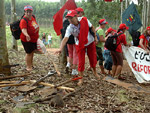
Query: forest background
x=44 y=12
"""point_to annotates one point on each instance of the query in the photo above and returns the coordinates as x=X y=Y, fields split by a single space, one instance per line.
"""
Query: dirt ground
x=95 y=96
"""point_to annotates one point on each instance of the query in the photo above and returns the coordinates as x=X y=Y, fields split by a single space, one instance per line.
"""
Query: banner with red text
x=139 y=62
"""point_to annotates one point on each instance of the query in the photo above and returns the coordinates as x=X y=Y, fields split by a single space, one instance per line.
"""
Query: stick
x=72 y=92
x=8 y=77
x=20 y=84
x=55 y=66
x=73 y=79
x=12 y=82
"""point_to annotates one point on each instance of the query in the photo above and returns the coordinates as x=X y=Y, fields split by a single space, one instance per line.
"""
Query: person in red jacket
x=117 y=56
x=145 y=39
x=29 y=35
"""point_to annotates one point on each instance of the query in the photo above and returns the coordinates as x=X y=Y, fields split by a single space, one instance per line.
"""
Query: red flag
x=58 y=17
x=108 y=0
x=121 y=0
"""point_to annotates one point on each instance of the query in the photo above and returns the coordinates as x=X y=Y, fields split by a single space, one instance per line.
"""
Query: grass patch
x=122 y=96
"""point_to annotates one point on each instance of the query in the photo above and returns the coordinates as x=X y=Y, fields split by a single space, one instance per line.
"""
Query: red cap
x=71 y=13
x=123 y=26
x=109 y=30
x=148 y=28
x=28 y=7
x=79 y=9
x=102 y=21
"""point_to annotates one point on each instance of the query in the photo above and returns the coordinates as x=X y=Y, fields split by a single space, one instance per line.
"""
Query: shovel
x=55 y=100
x=27 y=88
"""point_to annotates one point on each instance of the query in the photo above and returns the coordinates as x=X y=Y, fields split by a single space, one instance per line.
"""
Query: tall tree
x=13 y=18
x=148 y=13
x=3 y=45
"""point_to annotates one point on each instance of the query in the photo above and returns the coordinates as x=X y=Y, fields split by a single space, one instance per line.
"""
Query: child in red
x=79 y=28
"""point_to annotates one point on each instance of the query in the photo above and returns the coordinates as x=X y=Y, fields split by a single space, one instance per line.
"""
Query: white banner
x=139 y=62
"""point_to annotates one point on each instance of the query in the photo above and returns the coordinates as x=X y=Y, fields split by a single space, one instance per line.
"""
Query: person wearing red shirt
x=145 y=39
x=29 y=35
x=117 y=56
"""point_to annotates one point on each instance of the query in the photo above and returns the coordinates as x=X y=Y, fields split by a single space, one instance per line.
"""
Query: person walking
x=49 y=40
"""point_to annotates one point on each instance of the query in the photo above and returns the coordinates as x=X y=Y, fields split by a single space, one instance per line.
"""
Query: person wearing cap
x=72 y=57
x=79 y=28
x=145 y=40
x=107 y=55
x=100 y=45
x=80 y=11
x=29 y=35
x=117 y=55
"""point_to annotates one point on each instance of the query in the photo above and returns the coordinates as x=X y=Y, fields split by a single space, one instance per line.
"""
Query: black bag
x=92 y=33
x=63 y=31
x=15 y=28
x=111 y=42
x=135 y=37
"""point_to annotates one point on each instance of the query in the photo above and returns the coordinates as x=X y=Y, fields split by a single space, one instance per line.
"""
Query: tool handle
x=43 y=78
x=73 y=79
x=8 y=77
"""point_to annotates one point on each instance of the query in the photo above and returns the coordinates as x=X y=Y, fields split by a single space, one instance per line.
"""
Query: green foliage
x=43 y=11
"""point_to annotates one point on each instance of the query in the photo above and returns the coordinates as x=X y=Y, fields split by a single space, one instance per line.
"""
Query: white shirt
x=49 y=37
x=75 y=30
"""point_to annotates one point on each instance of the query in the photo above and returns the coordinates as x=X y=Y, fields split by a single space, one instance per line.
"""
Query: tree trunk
x=148 y=13
x=3 y=44
x=121 y=10
x=63 y=57
x=13 y=18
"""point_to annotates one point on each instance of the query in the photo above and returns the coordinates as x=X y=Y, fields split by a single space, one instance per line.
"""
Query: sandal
x=121 y=78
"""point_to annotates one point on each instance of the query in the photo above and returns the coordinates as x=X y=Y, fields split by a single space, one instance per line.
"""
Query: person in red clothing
x=145 y=39
x=79 y=28
x=117 y=56
x=29 y=35
x=80 y=11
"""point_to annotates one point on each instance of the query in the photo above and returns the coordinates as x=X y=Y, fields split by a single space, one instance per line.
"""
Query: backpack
x=135 y=37
x=92 y=33
x=63 y=31
x=111 y=42
x=15 y=28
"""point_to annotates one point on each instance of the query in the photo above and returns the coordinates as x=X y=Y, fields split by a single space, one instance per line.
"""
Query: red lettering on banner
x=145 y=69
x=134 y=66
x=140 y=68
x=148 y=69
